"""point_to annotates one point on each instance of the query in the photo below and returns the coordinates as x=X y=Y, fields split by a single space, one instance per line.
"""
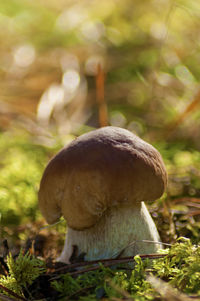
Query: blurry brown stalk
x=190 y=108
x=102 y=107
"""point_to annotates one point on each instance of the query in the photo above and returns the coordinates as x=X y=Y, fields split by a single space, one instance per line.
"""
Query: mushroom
x=99 y=183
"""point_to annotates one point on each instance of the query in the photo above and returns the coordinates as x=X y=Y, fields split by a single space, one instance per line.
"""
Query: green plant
x=90 y=282
x=180 y=266
x=21 y=162
x=22 y=272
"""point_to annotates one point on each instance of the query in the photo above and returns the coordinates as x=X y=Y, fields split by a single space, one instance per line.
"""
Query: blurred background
x=60 y=58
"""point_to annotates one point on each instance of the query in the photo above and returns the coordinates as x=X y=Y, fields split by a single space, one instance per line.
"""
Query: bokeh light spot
x=71 y=80
x=24 y=55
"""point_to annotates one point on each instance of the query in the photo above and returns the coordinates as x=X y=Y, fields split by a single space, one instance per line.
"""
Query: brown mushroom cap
x=103 y=168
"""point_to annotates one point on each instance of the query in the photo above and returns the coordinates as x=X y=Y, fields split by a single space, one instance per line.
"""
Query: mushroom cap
x=106 y=167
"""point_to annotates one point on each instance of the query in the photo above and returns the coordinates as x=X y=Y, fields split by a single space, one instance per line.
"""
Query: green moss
x=180 y=267
x=22 y=272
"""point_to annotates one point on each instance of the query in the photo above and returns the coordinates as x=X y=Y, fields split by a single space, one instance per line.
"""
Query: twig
x=113 y=261
x=6 y=298
x=187 y=199
x=105 y=262
x=12 y=293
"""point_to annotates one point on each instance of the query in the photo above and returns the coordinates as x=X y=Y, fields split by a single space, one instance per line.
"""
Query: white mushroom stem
x=116 y=230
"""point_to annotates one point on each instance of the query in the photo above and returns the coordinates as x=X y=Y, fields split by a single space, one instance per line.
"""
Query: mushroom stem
x=116 y=230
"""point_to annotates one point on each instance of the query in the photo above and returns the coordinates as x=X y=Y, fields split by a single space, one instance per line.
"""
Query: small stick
x=111 y=260
x=105 y=262
x=6 y=298
x=12 y=293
